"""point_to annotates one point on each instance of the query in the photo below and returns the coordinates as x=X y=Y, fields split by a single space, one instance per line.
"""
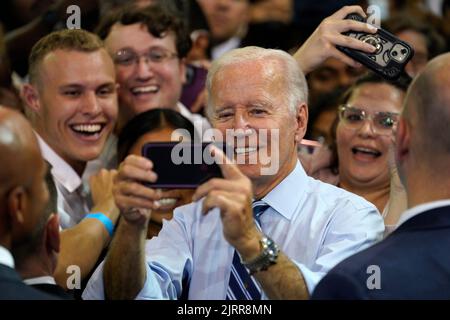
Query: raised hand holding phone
x=134 y=200
x=390 y=56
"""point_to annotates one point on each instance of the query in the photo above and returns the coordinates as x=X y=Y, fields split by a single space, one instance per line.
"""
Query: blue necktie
x=242 y=286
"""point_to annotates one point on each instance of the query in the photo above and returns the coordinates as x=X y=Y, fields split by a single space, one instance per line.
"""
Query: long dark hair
x=149 y=121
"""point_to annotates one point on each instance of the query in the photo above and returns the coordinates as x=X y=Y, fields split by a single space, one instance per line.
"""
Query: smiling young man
x=72 y=104
x=148 y=47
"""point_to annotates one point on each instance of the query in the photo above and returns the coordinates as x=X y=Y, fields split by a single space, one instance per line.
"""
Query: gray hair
x=296 y=87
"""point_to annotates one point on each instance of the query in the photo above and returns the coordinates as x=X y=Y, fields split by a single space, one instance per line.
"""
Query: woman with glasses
x=364 y=135
x=361 y=139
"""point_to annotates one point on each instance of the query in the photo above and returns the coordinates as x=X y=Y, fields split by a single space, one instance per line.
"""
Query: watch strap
x=266 y=258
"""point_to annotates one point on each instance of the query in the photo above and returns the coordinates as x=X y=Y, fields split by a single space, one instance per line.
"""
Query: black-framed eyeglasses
x=127 y=57
x=383 y=123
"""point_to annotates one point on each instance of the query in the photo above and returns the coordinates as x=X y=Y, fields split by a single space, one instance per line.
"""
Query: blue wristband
x=103 y=219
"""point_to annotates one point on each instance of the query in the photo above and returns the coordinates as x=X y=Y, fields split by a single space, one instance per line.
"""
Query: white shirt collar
x=6 y=257
x=200 y=123
x=280 y=198
x=414 y=211
x=62 y=172
x=184 y=111
x=40 y=280
x=224 y=47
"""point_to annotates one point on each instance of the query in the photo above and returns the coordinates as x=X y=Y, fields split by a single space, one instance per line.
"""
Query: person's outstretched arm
x=322 y=43
x=124 y=272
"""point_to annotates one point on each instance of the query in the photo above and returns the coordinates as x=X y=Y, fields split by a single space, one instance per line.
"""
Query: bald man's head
x=23 y=194
x=427 y=108
x=16 y=136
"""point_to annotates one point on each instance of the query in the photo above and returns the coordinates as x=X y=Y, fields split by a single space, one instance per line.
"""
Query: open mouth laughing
x=88 y=131
x=366 y=153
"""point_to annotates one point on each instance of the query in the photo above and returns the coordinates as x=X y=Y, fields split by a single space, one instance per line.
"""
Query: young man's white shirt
x=73 y=195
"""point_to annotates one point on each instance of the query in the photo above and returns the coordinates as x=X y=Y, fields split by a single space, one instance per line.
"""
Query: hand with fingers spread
x=233 y=196
x=134 y=199
x=322 y=43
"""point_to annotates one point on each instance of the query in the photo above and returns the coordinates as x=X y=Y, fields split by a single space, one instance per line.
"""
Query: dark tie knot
x=258 y=209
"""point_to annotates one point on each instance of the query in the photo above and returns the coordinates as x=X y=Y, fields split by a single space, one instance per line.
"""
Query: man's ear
x=52 y=241
x=301 y=118
x=17 y=204
x=30 y=95
x=403 y=140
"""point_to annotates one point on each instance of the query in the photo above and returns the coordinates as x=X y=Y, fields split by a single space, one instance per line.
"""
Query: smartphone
x=181 y=165
x=391 y=55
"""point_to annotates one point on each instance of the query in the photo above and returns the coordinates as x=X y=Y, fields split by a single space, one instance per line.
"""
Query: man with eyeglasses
x=414 y=261
x=148 y=47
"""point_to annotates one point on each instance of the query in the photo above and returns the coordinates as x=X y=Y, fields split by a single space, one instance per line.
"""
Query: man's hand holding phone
x=134 y=200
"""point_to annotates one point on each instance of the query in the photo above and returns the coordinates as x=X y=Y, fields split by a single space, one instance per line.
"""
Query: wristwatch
x=267 y=257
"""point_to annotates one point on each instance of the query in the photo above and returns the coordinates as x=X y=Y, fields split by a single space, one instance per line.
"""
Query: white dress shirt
x=40 y=280
x=73 y=198
x=315 y=224
x=6 y=257
x=200 y=123
x=222 y=48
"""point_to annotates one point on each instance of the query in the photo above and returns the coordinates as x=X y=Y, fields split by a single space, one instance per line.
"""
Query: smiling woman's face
x=171 y=198
x=363 y=154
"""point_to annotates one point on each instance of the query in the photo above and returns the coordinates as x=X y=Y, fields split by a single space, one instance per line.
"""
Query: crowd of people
x=78 y=219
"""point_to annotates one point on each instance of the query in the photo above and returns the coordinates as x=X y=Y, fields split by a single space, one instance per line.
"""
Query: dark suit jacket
x=53 y=289
x=414 y=263
x=12 y=287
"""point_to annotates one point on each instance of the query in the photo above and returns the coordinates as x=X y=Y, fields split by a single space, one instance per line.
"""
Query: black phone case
x=382 y=61
x=179 y=176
